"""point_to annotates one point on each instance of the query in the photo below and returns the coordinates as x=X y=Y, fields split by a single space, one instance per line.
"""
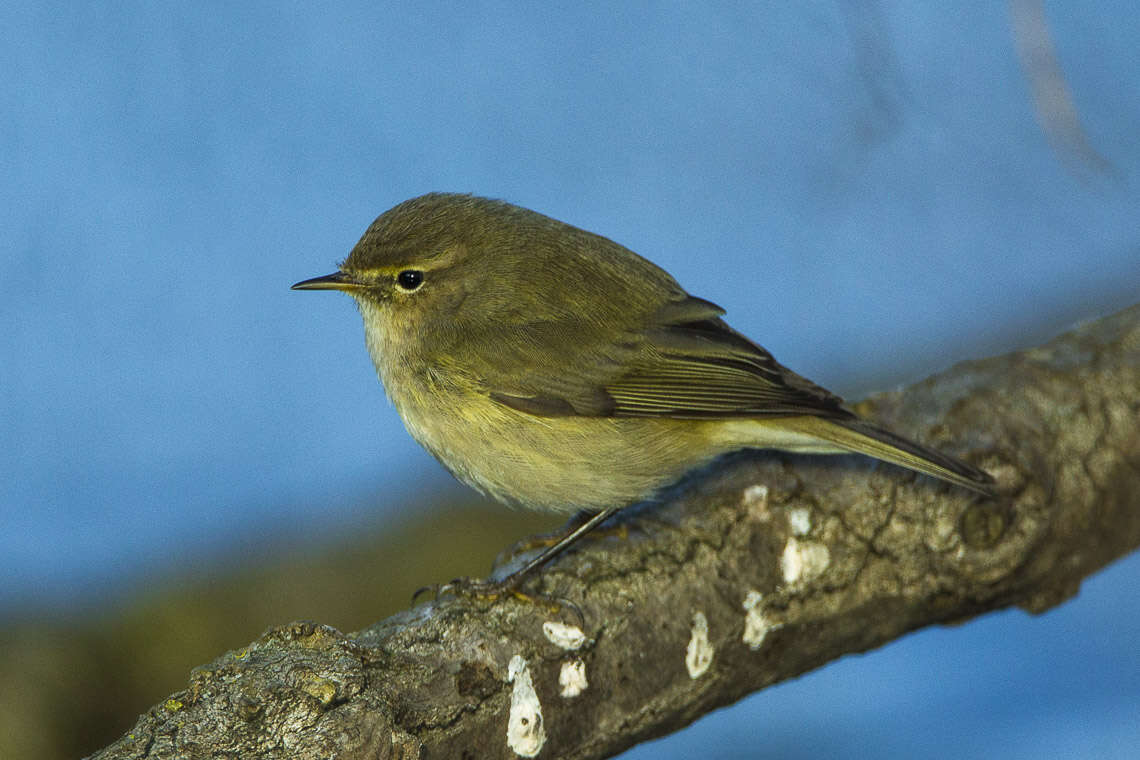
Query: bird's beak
x=334 y=281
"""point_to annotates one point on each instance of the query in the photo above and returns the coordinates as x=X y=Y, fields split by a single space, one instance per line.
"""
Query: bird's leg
x=559 y=546
x=494 y=590
x=547 y=540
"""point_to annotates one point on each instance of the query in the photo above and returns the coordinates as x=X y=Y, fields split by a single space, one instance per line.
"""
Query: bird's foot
x=490 y=592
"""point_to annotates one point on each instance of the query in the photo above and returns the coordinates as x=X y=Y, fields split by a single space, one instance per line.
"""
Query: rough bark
x=761 y=568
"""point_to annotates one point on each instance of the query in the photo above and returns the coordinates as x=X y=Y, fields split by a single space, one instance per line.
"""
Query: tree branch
x=750 y=573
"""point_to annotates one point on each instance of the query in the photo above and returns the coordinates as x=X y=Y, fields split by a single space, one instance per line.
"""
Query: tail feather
x=863 y=437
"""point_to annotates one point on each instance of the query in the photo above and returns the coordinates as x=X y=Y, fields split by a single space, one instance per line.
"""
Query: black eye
x=410 y=279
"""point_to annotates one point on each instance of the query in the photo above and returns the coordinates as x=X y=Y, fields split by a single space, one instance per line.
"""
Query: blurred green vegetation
x=71 y=686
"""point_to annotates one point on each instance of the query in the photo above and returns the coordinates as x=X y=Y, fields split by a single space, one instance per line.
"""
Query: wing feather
x=685 y=363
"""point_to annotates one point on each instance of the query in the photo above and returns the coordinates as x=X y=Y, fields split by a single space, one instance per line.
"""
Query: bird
x=552 y=368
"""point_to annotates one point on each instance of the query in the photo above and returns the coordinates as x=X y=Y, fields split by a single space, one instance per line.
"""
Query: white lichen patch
x=756 y=624
x=799 y=520
x=572 y=678
x=803 y=561
x=755 y=500
x=525 y=734
x=943 y=536
x=569 y=637
x=699 y=652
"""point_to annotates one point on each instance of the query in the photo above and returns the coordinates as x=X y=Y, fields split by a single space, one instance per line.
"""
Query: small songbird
x=554 y=369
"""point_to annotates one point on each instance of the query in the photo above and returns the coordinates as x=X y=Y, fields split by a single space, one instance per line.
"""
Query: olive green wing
x=683 y=361
x=687 y=363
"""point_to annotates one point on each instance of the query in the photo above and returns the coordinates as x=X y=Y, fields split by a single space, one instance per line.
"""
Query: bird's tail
x=863 y=437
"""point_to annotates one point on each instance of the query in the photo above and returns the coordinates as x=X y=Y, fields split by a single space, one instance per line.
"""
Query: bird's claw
x=494 y=591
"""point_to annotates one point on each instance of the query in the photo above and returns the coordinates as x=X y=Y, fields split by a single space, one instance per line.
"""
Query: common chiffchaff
x=552 y=368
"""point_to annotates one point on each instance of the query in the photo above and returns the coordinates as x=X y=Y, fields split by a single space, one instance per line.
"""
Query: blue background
x=864 y=186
